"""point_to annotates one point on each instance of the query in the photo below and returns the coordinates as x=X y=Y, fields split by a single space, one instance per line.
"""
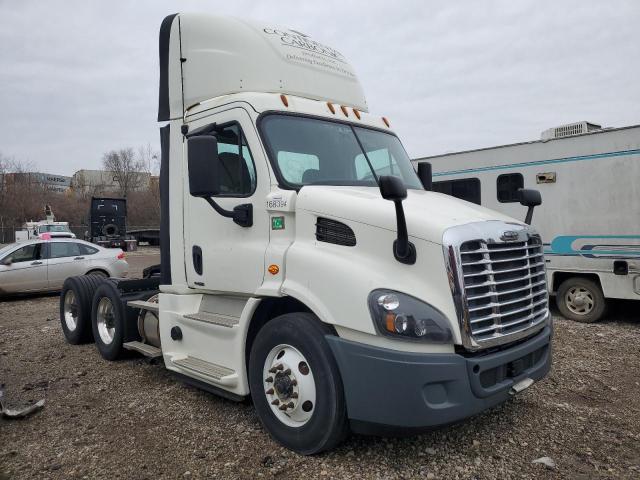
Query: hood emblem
x=509 y=236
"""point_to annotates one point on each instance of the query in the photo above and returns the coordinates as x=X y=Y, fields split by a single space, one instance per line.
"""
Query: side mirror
x=204 y=178
x=425 y=175
x=530 y=199
x=392 y=188
x=6 y=261
x=203 y=166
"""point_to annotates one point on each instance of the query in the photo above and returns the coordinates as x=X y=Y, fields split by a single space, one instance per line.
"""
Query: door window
x=28 y=253
x=238 y=173
x=87 y=250
x=64 y=249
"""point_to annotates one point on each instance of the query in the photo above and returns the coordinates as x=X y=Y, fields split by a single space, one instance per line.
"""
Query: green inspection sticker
x=277 y=223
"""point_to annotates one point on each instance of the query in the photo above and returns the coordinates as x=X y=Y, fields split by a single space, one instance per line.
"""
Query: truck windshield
x=309 y=151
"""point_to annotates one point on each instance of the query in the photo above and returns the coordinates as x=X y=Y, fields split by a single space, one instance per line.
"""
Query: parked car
x=43 y=265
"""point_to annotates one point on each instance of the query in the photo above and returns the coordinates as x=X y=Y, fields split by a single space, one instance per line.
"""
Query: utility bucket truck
x=304 y=262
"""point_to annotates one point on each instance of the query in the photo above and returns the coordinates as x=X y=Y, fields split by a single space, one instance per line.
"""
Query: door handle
x=79 y=258
x=37 y=262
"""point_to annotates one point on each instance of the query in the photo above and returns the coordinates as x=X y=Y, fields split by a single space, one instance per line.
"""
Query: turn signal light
x=274 y=269
x=344 y=110
x=386 y=122
x=285 y=101
x=356 y=113
x=331 y=107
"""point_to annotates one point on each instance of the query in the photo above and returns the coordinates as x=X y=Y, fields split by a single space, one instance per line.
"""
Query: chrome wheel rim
x=70 y=310
x=579 y=300
x=289 y=385
x=105 y=320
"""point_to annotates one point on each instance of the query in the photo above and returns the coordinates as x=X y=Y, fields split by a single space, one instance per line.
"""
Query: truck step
x=218 y=373
x=151 y=306
x=144 y=348
x=213 y=318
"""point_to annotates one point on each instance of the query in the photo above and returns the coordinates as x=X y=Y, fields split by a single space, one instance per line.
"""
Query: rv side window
x=463 y=188
x=507 y=187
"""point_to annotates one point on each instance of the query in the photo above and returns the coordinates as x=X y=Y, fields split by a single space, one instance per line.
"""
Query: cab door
x=221 y=255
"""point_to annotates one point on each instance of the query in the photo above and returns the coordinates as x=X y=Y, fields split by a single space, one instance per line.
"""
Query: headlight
x=403 y=316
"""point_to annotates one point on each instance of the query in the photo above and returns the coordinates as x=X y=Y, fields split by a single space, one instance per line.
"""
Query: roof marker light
x=386 y=122
x=285 y=102
x=331 y=107
x=344 y=110
x=356 y=113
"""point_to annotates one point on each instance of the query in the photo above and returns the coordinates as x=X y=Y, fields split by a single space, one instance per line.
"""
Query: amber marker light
x=284 y=99
x=274 y=269
x=344 y=110
x=386 y=122
x=356 y=113
x=331 y=107
x=390 y=322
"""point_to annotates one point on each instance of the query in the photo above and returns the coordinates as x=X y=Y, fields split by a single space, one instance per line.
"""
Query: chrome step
x=215 y=372
x=143 y=348
x=152 y=306
x=213 y=318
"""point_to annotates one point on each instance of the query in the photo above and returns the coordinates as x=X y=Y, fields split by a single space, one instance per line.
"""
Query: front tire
x=296 y=386
x=581 y=300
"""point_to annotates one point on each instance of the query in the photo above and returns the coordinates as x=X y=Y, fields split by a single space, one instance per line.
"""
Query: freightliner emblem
x=509 y=236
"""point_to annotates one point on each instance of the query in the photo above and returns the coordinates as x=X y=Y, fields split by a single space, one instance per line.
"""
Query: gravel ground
x=132 y=419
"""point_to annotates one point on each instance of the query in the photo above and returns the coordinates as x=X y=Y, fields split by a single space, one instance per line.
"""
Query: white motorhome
x=296 y=272
x=590 y=218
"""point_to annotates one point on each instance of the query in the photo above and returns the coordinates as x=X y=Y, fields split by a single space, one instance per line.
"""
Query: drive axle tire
x=581 y=300
x=75 y=308
x=296 y=386
x=112 y=322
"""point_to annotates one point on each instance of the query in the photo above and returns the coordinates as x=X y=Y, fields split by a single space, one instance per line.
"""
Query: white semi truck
x=303 y=260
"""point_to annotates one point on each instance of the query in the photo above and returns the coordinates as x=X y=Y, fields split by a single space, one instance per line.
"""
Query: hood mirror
x=392 y=188
x=530 y=199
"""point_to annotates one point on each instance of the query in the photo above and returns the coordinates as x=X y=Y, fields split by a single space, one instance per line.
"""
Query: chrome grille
x=504 y=286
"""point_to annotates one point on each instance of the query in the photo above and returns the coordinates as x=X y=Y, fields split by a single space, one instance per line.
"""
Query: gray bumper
x=388 y=391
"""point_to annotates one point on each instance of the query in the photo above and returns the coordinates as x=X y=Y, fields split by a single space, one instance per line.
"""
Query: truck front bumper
x=393 y=392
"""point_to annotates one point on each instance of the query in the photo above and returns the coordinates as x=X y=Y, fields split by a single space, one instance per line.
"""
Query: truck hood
x=428 y=214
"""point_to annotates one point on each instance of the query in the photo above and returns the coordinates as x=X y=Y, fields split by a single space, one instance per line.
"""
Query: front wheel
x=581 y=300
x=296 y=386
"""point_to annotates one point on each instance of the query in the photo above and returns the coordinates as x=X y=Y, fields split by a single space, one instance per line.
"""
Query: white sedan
x=43 y=265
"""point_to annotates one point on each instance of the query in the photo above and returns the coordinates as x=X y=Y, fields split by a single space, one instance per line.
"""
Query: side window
x=463 y=188
x=301 y=168
x=64 y=249
x=507 y=186
x=86 y=249
x=28 y=253
x=236 y=164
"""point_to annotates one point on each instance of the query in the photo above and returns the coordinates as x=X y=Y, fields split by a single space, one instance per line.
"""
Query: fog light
x=389 y=301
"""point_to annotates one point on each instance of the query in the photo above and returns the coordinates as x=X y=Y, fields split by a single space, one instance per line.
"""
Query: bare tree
x=150 y=158
x=128 y=171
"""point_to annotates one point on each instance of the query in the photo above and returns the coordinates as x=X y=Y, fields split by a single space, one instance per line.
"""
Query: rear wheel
x=296 y=386
x=113 y=324
x=75 y=308
x=581 y=300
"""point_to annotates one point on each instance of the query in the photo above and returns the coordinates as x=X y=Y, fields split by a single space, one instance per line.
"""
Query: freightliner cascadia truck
x=305 y=263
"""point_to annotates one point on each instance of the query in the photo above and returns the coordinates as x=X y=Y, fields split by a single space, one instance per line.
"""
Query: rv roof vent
x=569 y=129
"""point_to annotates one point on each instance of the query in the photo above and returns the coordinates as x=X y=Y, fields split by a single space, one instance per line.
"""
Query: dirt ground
x=132 y=420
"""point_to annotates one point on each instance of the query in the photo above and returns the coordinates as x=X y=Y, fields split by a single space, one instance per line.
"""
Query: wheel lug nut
x=294 y=395
x=268 y=379
x=275 y=402
x=283 y=407
x=290 y=405
x=294 y=382
x=287 y=371
x=269 y=392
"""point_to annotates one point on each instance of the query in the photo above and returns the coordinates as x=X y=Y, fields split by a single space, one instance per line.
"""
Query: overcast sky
x=80 y=78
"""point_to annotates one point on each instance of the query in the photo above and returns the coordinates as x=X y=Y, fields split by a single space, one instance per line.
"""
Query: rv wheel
x=580 y=300
x=75 y=308
x=296 y=386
